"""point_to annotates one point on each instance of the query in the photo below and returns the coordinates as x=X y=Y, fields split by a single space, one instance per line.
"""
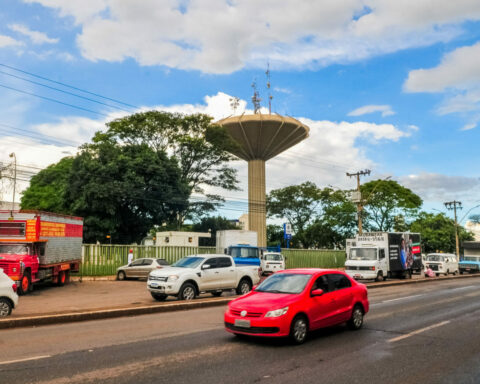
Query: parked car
x=442 y=263
x=195 y=274
x=8 y=294
x=140 y=268
x=469 y=264
x=296 y=301
x=271 y=262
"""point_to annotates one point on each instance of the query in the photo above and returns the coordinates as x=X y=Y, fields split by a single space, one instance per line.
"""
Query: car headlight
x=277 y=312
x=172 y=278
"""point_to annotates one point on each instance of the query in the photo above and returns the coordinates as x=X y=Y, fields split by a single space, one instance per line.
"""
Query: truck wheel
x=379 y=276
x=244 y=286
x=461 y=272
x=158 y=296
x=121 y=275
x=25 y=283
x=356 y=321
x=187 y=292
x=5 y=307
x=217 y=293
x=299 y=329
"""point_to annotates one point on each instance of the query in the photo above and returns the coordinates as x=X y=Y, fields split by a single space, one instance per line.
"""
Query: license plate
x=242 y=323
x=154 y=285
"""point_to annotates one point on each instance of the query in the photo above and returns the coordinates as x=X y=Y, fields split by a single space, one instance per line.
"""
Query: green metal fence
x=103 y=260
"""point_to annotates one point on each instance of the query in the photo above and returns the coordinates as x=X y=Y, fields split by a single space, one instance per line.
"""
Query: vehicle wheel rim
x=357 y=318
x=121 y=276
x=245 y=288
x=24 y=283
x=300 y=330
x=4 y=309
x=188 y=293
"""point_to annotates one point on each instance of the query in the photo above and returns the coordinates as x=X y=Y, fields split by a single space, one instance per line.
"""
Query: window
x=212 y=262
x=162 y=262
x=147 y=261
x=321 y=283
x=136 y=263
x=382 y=253
x=11 y=229
x=41 y=249
x=337 y=281
x=224 y=262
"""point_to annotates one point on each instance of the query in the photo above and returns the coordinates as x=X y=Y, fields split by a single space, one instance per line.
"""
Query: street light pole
x=14 y=178
x=453 y=205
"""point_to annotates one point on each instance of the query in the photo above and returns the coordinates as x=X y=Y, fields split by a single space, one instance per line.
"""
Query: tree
x=437 y=232
x=274 y=235
x=200 y=147
x=212 y=224
x=386 y=200
x=474 y=218
x=304 y=205
x=48 y=188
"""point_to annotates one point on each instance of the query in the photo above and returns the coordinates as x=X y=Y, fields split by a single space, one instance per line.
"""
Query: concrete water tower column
x=257 y=215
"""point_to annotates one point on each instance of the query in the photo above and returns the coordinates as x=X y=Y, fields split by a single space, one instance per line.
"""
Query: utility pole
x=359 y=197
x=454 y=205
x=14 y=180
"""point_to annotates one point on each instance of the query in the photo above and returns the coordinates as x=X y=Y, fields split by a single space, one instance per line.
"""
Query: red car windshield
x=284 y=283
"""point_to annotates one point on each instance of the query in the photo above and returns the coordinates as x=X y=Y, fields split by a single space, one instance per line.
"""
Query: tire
x=356 y=320
x=455 y=273
x=379 y=276
x=448 y=272
x=121 y=276
x=461 y=272
x=187 y=292
x=25 y=284
x=244 y=286
x=299 y=329
x=158 y=296
x=5 y=307
x=217 y=293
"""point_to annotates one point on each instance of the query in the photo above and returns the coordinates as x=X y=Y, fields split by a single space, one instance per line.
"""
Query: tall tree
x=200 y=147
x=438 y=232
x=385 y=200
x=48 y=188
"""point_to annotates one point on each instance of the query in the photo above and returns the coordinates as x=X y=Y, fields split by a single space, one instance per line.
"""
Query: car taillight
x=372 y=268
x=159 y=267
x=14 y=287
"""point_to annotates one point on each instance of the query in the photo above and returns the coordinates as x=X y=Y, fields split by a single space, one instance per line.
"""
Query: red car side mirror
x=316 y=292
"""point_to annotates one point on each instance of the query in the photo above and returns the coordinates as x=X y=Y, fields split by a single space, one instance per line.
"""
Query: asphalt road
x=421 y=333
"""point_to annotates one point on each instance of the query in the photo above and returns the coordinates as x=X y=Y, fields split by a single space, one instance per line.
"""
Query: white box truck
x=240 y=244
x=381 y=255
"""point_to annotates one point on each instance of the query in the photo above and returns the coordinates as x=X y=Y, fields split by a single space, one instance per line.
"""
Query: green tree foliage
x=475 y=218
x=311 y=211
x=274 y=235
x=438 y=232
x=386 y=200
x=200 y=147
x=48 y=188
x=212 y=224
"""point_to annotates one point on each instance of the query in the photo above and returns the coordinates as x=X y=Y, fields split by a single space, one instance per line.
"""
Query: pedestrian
x=130 y=256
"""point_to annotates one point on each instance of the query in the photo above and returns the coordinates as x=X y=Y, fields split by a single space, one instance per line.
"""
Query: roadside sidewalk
x=88 y=300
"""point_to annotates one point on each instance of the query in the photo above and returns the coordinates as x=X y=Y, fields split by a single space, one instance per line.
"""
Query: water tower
x=260 y=138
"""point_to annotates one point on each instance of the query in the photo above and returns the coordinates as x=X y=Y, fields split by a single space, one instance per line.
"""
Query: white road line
x=418 y=331
x=401 y=298
x=26 y=359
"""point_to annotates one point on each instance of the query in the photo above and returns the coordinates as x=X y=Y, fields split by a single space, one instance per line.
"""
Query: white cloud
x=7 y=41
x=218 y=36
x=458 y=77
x=35 y=36
x=386 y=110
x=441 y=188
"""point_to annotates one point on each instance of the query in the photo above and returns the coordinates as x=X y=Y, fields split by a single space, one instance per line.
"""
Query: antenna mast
x=270 y=97
x=256 y=99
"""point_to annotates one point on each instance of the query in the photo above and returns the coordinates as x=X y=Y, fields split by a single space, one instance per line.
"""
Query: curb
x=171 y=307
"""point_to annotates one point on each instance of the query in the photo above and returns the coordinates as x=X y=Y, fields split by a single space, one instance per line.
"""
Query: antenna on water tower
x=256 y=99
x=270 y=97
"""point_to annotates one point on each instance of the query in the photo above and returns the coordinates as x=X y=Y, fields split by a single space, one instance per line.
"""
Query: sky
x=393 y=87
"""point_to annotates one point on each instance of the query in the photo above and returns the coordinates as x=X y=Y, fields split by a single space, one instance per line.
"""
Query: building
x=471 y=248
x=178 y=238
x=243 y=222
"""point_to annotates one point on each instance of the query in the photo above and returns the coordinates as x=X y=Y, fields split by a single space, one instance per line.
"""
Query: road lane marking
x=26 y=359
x=398 y=338
x=400 y=298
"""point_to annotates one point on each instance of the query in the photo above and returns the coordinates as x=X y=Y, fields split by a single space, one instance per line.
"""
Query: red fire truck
x=37 y=246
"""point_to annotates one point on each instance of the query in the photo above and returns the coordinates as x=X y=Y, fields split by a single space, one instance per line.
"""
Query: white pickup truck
x=195 y=274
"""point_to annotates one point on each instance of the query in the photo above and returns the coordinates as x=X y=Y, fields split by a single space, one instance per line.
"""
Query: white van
x=442 y=263
x=271 y=262
x=8 y=295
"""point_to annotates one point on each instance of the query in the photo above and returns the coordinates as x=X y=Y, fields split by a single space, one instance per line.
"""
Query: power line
x=53 y=100
x=68 y=86
x=66 y=92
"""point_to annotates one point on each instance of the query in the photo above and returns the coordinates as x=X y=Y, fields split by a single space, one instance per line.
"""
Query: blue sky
x=390 y=86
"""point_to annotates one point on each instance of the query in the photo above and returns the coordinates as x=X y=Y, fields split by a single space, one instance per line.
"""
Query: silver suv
x=8 y=294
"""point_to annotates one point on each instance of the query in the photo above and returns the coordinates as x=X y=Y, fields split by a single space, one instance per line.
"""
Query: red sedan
x=295 y=301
